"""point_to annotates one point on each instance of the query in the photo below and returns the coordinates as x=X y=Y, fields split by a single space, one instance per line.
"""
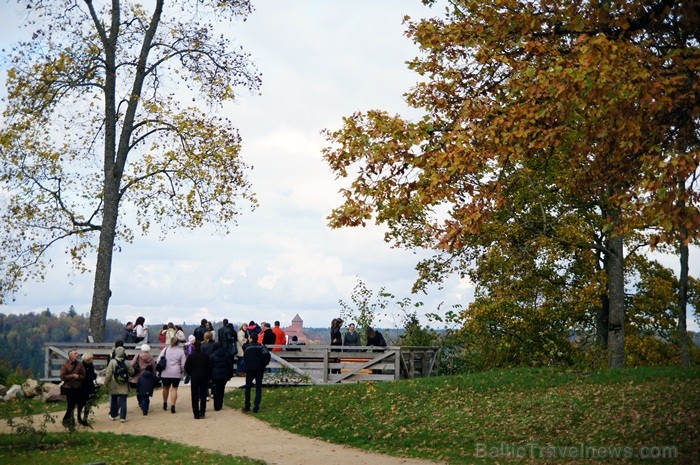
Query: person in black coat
x=198 y=366
x=221 y=373
x=144 y=388
x=88 y=390
x=255 y=357
x=268 y=337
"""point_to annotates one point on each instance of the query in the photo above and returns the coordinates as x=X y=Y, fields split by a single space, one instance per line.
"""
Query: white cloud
x=320 y=61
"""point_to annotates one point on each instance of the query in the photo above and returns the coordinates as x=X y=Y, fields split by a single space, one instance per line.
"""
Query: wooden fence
x=310 y=364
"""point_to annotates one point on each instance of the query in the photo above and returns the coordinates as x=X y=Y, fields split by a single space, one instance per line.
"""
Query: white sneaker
x=122 y=420
x=113 y=418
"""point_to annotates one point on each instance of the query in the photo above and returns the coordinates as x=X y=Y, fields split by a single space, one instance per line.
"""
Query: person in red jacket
x=280 y=336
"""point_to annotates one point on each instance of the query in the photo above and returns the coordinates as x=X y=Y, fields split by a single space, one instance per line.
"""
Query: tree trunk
x=103 y=272
x=683 y=302
x=602 y=321
x=614 y=265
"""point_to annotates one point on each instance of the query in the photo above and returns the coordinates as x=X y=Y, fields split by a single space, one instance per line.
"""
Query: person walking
x=88 y=390
x=172 y=374
x=221 y=373
x=72 y=375
x=256 y=358
x=140 y=362
x=144 y=388
x=118 y=383
x=198 y=367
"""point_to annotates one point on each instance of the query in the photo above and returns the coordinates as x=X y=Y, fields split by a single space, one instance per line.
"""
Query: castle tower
x=296 y=329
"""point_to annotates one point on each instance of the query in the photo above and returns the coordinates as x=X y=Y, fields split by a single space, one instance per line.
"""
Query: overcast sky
x=320 y=60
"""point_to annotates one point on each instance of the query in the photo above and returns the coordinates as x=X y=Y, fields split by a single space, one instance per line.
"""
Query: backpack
x=162 y=362
x=121 y=372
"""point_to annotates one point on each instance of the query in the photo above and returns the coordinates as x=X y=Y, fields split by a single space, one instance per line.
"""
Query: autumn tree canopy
x=595 y=102
x=111 y=109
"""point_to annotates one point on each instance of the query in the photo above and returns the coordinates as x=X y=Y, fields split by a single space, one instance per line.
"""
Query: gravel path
x=231 y=432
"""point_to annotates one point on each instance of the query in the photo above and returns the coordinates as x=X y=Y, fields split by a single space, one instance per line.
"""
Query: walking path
x=230 y=432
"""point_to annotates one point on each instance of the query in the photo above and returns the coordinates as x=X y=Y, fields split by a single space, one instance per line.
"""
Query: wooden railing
x=313 y=364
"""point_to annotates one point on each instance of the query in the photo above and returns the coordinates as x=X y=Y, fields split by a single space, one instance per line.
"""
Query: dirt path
x=230 y=432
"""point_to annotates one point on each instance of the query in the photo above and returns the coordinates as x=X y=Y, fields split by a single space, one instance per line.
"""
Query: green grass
x=21 y=406
x=72 y=449
x=479 y=418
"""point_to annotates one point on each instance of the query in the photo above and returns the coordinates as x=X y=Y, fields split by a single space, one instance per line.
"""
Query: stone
x=31 y=388
x=14 y=392
x=54 y=393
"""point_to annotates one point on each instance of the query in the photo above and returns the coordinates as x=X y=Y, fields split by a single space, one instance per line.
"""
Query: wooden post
x=397 y=364
x=47 y=362
x=325 y=366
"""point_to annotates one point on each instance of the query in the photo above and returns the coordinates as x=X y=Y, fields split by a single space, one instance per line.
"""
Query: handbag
x=64 y=390
x=160 y=366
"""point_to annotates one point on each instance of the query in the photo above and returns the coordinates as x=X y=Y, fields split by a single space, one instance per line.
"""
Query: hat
x=145 y=348
x=191 y=338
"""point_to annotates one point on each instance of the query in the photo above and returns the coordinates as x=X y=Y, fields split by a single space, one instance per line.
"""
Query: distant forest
x=22 y=337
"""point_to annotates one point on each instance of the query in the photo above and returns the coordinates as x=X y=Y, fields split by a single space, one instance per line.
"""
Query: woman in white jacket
x=141 y=330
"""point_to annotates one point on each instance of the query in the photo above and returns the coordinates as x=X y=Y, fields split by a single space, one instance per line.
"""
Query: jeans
x=117 y=406
x=144 y=402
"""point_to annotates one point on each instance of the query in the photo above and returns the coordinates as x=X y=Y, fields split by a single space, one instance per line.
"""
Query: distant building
x=297 y=329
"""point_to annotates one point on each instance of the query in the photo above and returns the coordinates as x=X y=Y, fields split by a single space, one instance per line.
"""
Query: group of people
x=206 y=360
x=352 y=337
x=78 y=376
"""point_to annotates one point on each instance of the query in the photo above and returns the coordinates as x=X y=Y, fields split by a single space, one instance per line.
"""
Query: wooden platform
x=310 y=364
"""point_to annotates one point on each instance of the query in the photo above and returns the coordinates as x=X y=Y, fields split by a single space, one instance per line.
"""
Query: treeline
x=22 y=337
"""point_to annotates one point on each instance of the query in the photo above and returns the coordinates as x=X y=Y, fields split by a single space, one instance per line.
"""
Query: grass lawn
x=505 y=416
x=72 y=449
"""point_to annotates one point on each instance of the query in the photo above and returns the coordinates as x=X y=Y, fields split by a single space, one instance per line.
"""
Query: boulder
x=31 y=388
x=54 y=393
x=14 y=392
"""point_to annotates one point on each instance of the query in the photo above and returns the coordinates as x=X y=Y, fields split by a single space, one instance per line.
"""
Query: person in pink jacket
x=172 y=374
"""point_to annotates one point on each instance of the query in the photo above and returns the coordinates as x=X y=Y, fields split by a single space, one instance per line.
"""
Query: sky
x=320 y=61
